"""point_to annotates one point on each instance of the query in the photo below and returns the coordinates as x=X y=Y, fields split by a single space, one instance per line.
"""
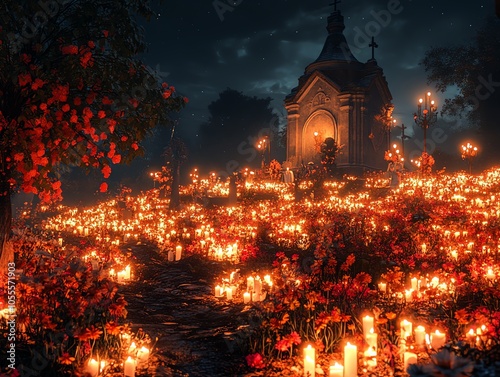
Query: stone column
x=293 y=141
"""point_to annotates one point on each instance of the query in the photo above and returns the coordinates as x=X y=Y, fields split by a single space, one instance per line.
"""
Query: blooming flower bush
x=67 y=312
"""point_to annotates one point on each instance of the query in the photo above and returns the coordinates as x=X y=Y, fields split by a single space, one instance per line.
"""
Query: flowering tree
x=72 y=91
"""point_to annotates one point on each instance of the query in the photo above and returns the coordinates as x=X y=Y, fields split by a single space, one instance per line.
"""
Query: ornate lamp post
x=469 y=152
x=426 y=116
x=261 y=148
x=155 y=175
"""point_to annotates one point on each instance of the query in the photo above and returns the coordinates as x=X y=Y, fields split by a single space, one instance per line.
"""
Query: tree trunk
x=6 y=255
x=175 y=200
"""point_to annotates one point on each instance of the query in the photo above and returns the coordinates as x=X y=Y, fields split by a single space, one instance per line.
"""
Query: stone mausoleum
x=343 y=98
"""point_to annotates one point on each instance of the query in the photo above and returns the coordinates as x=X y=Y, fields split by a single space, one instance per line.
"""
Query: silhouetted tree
x=329 y=149
x=176 y=154
x=474 y=69
x=236 y=122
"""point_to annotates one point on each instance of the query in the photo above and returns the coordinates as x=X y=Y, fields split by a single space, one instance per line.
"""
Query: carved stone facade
x=338 y=97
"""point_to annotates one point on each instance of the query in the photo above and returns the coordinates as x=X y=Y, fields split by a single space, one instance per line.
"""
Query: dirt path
x=174 y=302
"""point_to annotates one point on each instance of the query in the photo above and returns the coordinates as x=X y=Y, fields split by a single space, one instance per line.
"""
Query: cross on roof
x=335 y=2
x=373 y=45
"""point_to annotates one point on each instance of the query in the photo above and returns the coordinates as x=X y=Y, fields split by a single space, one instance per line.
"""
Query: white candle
x=178 y=252
x=93 y=367
x=103 y=365
x=471 y=336
x=406 y=328
x=420 y=335
x=132 y=348
x=120 y=276
x=414 y=284
x=127 y=273
x=250 y=282
x=309 y=361
x=409 y=295
x=336 y=370
x=246 y=297
x=409 y=358
x=129 y=367
x=435 y=282
x=171 y=255
x=438 y=339
x=258 y=285
x=350 y=360
x=367 y=324
x=217 y=292
x=267 y=279
x=229 y=293
x=143 y=355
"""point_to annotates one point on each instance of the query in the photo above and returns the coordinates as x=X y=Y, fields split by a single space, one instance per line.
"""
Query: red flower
x=255 y=361
x=107 y=101
x=113 y=328
x=24 y=79
x=106 y=171
x=69 y=50
x=37 y=84
x=294 y=338
x=282 y=345
x=103 y=187
x=116 y=159
x=66 y=359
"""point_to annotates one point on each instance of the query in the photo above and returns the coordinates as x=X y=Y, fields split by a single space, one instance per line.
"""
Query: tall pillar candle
x=129 y=367
x=350 y=360
x=250 y=283
x=178 y=252
x=414 y=284
x=229 y=293
x=406 y=328
x=309 y=361
x=367 y=324
x=420 y=335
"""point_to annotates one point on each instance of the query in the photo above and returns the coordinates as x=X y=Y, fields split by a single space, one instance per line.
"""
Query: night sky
x=261 y=48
